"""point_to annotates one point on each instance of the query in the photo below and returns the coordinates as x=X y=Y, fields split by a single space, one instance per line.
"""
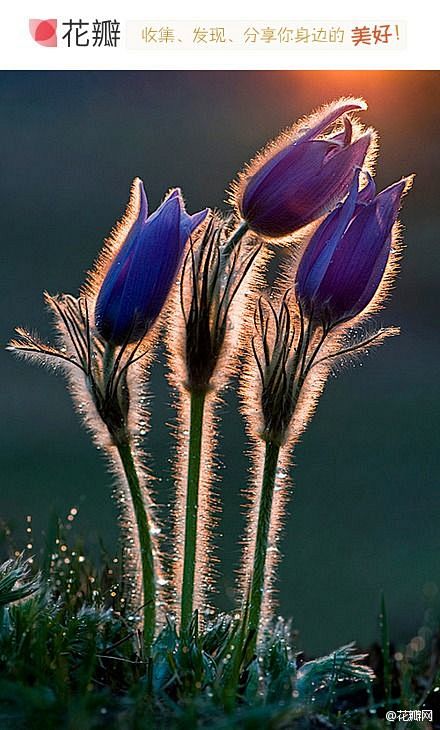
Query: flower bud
x=141 y=274
x=295 y=185
x=345 y=260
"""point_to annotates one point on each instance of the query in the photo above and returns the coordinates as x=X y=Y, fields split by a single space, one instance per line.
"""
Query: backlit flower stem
x=272 y=452
x=271 y=457
x=192 y=505
x=122 y=441
x=145 y=542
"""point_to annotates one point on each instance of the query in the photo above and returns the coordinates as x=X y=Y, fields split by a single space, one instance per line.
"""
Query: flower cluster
x=316 y=178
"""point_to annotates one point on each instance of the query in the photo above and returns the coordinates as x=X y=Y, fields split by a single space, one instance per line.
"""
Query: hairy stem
x=261 y=542
x=192 y=504
x=145 y=542
x=301 y=367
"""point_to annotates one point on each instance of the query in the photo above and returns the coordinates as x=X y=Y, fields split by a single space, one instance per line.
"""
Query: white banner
x=133 y=36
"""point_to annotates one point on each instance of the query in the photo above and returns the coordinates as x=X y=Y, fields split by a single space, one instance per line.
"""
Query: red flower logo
x=44 y=32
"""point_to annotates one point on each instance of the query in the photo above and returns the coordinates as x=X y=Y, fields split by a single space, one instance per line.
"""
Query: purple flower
x=305 y=178
x=139 y=278
x=345 y=260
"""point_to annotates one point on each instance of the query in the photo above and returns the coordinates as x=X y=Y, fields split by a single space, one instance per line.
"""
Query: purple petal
x=318 y=254
x=368 y=192
x=346 y=258
x=376 y=277
x=344 y=138
x=302 y=180
x=388 y=201
x=279 y=199
x=191 y=222
x=330 y=118
x=332 y=182
x=141 y=275
x=143 y=205
x=188 y=223
x=175 y=193
x=360 y=257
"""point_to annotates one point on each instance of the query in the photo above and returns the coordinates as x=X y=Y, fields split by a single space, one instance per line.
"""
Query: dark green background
x=366 y=506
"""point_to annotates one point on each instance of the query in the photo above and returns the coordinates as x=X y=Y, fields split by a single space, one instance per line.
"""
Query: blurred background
x=364 y=516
